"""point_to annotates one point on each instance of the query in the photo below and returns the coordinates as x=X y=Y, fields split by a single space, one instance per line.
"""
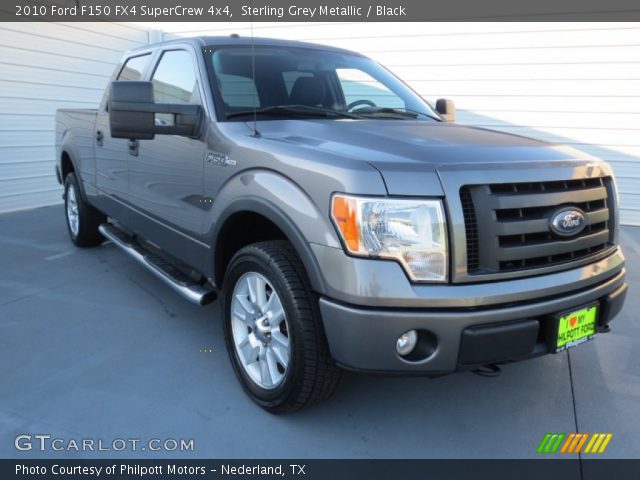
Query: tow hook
x=489 y=370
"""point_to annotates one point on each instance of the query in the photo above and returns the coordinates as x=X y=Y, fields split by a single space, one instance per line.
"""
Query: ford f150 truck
x=344 y=221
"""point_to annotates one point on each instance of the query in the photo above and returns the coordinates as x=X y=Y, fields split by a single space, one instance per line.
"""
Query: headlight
x=409 y=231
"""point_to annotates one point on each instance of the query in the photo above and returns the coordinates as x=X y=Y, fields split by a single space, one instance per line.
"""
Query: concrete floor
x=92 y=346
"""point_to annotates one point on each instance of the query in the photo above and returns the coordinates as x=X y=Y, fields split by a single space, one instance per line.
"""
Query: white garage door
x=574 y=83
x=44 y=66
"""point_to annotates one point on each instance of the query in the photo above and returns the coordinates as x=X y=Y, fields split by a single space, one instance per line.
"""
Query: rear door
x=112 y=154
x=166 y=173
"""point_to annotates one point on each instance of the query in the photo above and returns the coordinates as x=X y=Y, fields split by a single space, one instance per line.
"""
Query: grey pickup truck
x=344 y=221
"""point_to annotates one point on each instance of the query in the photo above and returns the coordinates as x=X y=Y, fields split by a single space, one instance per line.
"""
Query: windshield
x=294 y=82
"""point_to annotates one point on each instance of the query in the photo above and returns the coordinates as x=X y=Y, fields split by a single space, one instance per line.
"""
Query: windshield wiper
x=294 y=110
x=388 y=112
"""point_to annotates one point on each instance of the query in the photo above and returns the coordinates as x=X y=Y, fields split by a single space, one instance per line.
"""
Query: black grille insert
x=471 y=229
x=507 y=224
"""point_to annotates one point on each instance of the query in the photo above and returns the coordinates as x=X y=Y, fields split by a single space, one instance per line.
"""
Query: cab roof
x=230 y=40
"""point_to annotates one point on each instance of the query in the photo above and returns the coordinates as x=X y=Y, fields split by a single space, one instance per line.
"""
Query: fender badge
x=220 y=159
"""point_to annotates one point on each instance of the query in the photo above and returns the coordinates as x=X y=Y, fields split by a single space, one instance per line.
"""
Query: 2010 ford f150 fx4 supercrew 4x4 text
x=344 y=221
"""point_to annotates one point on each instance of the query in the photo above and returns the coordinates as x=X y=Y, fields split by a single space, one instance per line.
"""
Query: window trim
x=143 y=72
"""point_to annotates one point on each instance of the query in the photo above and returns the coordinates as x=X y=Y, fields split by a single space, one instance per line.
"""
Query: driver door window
x=358 y=86
x=174 y=81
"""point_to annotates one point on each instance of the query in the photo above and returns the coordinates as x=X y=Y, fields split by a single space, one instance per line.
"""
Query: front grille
x=471 y=229
x=507 y=224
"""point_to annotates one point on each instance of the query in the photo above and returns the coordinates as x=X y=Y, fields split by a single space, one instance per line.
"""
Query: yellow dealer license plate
x=576 y=327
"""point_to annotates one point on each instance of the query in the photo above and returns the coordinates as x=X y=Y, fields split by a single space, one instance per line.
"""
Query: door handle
x=133 y=146
x=99 y=137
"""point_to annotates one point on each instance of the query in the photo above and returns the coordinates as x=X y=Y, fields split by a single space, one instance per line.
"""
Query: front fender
x=284 y=203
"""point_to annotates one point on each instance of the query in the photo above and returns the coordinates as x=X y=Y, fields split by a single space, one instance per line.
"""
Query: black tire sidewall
x=89 y=219
x=70 y=181
x=259 y=262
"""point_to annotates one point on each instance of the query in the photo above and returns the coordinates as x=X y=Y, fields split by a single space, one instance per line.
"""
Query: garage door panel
x=20 y=106
x=26 y=138
x=43 y=67
x=82 y=34
x=14 y=186
x=525 y=41
x=586 y=88
x=26 y=122
x=518 y=72
x=314 y=31
x=545 y=120
x=28 y=169
x=577 y=136
x=55 y=60
x=26 y=153
x=35 y=74
x=521 y=56
x=52 y=92
x=486 y=104
x=29 y=42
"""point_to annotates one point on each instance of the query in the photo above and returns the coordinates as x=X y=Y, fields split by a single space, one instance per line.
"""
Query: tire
x=81 y=218
x=310 y=374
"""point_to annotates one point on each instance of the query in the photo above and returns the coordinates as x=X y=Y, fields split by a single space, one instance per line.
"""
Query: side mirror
x=132 y=113
x=446 y=109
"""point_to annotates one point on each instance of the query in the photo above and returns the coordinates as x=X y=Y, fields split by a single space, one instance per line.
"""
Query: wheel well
x=66 y=165
x=240 y=230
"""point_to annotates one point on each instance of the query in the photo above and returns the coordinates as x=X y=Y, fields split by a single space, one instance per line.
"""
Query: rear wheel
x=274 y=331
x=82 y=219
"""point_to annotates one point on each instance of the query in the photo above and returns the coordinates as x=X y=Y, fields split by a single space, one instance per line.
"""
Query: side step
x=181 y=283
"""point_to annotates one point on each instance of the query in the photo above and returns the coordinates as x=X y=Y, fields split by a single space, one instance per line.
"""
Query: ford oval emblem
x=567 y=222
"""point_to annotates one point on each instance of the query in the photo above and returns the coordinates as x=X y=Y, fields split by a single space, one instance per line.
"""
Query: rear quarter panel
x=75 y=136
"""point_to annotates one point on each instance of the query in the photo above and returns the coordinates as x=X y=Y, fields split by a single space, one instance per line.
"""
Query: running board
x=165 y=271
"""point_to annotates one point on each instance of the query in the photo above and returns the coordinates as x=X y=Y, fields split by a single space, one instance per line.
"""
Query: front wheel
x=274 y=331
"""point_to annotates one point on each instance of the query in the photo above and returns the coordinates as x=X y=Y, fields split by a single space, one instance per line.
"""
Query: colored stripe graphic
x=581 y=442
x=550 y=442
x=591 y=442
x=543 y=443
x=557 y=442
x=597 y=443
x=565 y=447
x=606 y=442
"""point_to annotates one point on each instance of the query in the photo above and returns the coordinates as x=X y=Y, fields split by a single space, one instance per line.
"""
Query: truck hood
x=409 y=153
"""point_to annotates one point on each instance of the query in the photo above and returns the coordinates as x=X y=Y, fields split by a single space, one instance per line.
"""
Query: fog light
x=406 y=342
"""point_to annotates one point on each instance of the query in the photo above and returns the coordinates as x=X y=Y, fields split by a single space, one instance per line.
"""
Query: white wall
x=45 y=66
x=575 y=83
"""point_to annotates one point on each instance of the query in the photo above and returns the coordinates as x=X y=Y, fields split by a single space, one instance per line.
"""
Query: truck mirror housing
x=132 y=113
x=446 y=109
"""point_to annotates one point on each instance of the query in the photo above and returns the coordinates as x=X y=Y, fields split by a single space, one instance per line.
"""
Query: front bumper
x=364 y=338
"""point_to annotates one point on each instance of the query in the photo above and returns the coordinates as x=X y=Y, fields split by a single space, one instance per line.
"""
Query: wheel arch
x=257 y=209
x=68 y=164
